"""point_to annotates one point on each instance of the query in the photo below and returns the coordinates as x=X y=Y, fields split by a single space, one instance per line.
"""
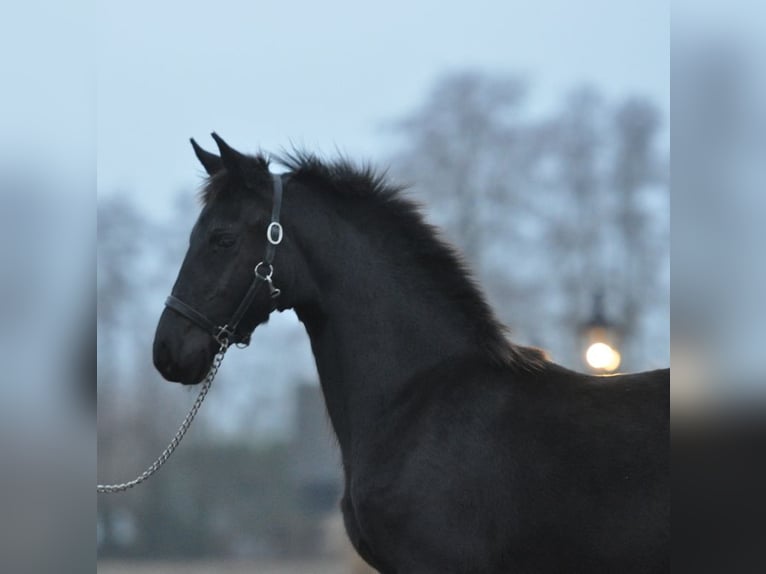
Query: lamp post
x=601 y=340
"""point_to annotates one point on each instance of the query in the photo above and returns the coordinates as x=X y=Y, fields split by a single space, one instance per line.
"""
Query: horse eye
x=223 y=240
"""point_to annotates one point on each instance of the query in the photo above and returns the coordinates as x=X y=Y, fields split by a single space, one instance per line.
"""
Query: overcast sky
x=329 y=74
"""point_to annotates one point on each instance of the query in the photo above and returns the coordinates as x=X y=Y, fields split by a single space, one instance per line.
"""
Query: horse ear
x=211 y=162
x=232 y=160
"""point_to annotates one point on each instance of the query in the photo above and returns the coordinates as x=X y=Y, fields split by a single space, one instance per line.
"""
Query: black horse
x=462 y=452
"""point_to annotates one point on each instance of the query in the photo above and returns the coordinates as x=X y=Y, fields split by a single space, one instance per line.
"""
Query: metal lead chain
x=157 y=464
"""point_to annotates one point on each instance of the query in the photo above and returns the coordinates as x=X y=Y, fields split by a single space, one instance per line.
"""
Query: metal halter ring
x=222 y=337
x=266 y=277
x=270 y=233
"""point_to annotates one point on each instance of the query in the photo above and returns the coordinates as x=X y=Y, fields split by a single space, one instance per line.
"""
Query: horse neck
x=379 y=319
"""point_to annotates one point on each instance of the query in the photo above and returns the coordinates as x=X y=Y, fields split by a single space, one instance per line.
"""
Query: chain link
x=162 y=459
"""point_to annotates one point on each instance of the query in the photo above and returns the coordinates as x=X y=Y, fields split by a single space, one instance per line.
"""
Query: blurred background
x=47 y=288
x=537 y=135
x=719 y=278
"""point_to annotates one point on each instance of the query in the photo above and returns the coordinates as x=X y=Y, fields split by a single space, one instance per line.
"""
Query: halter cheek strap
x=263 y=271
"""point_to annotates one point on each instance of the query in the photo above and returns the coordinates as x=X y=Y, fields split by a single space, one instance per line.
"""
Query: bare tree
x=471 y=154
x=550 y=210
x=464 y=150
x=640 y=187
x=610 y=239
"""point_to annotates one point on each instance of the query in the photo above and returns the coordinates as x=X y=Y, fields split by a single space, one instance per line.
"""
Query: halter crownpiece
x=263 y=271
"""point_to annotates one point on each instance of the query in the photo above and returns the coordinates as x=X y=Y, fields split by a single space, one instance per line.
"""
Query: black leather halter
x=227 y=334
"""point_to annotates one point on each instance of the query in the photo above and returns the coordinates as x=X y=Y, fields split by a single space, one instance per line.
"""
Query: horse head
x=226 y=285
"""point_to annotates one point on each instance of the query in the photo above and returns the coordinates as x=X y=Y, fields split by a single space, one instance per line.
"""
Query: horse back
x=591 y=457
x=512 y=469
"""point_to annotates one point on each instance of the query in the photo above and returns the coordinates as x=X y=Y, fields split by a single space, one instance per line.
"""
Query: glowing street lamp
x=601 y=340
x=602 y=357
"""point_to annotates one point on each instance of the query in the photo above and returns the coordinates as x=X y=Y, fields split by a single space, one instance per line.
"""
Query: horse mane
x=435 y=256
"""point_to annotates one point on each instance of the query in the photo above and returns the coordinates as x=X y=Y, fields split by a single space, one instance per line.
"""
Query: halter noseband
x=227 y=333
